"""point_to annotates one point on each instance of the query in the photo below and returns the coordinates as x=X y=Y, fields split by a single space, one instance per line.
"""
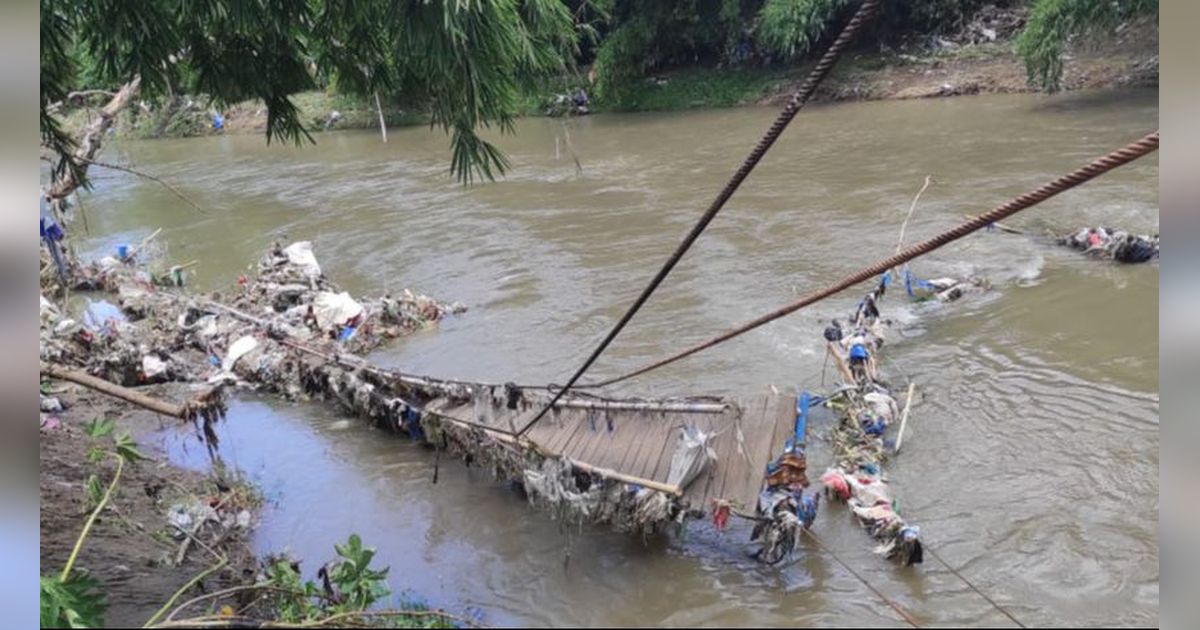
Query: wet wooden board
x=641 y=444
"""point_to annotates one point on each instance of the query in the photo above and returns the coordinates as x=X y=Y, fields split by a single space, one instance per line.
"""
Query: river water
x=1030 y=462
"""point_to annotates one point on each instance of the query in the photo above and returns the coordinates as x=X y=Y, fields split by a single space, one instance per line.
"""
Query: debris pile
x=291 y=331
x=866 y=408
x=1118 y=245
x=784 y=511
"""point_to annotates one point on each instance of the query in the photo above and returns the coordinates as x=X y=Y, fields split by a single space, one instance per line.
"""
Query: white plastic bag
x=300 y=254
x=692 y=455
x=335 y=309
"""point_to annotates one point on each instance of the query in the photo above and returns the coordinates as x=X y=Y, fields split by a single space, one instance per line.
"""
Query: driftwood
x=116 y=391
x=207 y=406
x=93 y=135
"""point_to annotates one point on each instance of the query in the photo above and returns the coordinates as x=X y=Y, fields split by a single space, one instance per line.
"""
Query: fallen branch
x=114 y=390
x=208 y=405
x=912 y=207
x=158 y=180
x=89 y=145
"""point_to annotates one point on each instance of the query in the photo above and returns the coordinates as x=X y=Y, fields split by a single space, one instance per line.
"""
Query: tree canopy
x=467 y=59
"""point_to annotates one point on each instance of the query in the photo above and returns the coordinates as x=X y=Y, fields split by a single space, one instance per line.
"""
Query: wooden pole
x=417 y=381
x=845 y=371
x=112 y=389
x=379 y=110
x=904 y=415
x=1001 y=226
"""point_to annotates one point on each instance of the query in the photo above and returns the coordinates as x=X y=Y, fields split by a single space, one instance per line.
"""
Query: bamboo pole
x=508 y=436
x=1001 y=226
x=904 y=415
x=608 y=473
x=111 y=389
x=618 y=405
x=841 y=365
x=379 y=110
x=418 y=381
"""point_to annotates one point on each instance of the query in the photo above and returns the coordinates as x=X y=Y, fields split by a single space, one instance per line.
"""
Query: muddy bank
x=981 y=69
x=133 y=550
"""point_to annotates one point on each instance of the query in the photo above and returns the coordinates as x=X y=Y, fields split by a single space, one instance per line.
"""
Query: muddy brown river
x=1030 y=462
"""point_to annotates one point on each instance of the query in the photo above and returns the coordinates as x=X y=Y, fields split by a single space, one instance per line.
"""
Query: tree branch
x=93 y=135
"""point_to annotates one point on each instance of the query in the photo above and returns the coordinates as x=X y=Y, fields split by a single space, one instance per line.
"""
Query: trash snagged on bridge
x=289 y=330
x=783 y=510
x=865 y=408
x=1118 y=245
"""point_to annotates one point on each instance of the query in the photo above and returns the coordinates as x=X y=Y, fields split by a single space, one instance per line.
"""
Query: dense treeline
x=639 y=36
x=472 y=64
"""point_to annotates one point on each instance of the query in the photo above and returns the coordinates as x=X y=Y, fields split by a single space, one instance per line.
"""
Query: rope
x=973 y=587
x=1116 y=158
x=896 y=607
x=806 y=90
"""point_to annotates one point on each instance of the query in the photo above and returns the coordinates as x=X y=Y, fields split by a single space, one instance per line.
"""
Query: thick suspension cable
x=1099 y=166
x=802 y=95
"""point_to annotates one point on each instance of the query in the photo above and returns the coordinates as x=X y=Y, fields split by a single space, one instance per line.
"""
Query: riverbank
x=134 y=551
x=1126 y=58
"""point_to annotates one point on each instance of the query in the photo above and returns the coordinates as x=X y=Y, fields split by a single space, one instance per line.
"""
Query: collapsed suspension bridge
x=638 y=462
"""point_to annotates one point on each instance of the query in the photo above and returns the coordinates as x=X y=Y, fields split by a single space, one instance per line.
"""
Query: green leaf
x=95 y=491
x=99 y=427
x=75 y=603
x=128 y=449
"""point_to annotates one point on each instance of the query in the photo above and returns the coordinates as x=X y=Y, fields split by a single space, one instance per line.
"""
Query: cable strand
x=795 y=104
x=1119 y=157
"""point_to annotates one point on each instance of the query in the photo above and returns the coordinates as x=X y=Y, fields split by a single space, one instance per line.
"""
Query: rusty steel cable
x=972 y=586
x=904 y=614
x=1101 y=165
x=865 y=12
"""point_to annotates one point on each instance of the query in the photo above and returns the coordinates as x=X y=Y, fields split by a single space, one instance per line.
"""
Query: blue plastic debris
x=100 y=316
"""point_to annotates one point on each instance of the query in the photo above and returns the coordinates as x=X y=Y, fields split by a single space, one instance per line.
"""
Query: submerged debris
x=1118 y=245
x=865 y=408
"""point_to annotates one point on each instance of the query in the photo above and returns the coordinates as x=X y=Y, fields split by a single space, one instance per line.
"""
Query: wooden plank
x=585 y=438
x=626 y=430
x=660 y=438
x=637 y=423
x=745 y=488
x=751 y=420
x=570 y=421
x=541 y=432
x=649 y=443
x=598 y=439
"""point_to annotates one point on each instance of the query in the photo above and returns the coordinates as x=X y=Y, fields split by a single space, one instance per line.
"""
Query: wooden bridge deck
x=750 y=432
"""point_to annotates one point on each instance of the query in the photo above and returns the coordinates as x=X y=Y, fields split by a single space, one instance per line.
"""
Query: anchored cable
x=1119 y=157
x=989 y=600
x=801 y=96
x=904 y=614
